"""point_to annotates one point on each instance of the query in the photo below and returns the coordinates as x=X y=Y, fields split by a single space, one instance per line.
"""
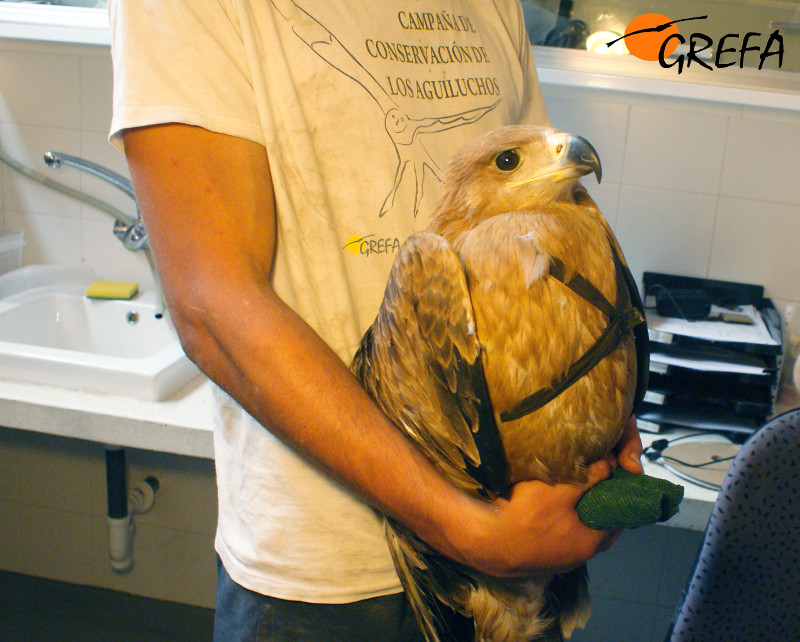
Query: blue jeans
x=245 y=616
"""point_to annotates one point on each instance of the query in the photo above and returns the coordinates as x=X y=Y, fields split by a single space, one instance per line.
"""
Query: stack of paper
x=718 y=374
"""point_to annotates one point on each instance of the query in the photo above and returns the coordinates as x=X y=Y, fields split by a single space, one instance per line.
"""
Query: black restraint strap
x=622 y=318
x=583 y=288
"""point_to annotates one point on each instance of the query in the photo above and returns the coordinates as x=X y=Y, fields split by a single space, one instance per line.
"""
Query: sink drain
x=132 y=317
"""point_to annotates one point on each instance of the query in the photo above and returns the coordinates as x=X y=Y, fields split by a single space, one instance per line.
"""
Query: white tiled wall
x=695 y=188
x=690 y=188
x=52 y=490
x=59 y=97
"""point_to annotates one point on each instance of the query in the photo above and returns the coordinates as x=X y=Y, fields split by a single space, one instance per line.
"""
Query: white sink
x=53 y=334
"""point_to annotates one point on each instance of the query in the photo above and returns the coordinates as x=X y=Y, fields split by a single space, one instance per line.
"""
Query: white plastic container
x=11 y=245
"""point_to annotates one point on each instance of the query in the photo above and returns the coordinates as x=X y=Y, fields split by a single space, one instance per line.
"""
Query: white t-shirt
x=359 y=105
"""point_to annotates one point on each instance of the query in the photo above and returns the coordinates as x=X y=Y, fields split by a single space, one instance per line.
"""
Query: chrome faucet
x=57 y=159
x=128 y=229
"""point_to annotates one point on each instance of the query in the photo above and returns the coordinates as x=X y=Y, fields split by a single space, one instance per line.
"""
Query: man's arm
x=208 y=206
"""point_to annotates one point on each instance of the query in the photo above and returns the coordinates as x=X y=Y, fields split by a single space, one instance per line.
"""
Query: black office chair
x=746 y=583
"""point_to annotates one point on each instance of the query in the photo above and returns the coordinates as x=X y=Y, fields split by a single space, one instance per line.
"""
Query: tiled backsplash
x=695 y=188
x=59 y=97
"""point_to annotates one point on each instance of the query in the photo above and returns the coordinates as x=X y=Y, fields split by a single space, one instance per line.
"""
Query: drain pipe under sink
x=122 y=505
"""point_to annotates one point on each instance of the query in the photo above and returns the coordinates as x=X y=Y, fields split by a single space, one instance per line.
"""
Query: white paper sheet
x=757 y=333
x=704 y=364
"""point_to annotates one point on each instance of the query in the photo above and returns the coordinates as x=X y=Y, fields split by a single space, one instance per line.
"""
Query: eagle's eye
x=507 y=160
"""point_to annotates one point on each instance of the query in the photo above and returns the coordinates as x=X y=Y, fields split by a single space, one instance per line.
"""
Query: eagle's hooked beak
x=581 y=157
x=572 y=157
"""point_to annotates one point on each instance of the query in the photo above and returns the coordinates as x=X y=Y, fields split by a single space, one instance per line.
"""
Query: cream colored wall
x=52 y=518
x=691 y=188
x=695 y=188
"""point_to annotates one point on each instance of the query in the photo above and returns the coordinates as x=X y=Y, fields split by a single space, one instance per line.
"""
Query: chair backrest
x=746 y=583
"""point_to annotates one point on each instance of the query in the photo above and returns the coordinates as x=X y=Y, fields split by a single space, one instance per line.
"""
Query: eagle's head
x=519 y=167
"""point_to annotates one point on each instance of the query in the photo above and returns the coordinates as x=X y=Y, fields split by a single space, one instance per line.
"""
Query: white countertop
x=54 y=23
x=180 y=424
x=697 y=500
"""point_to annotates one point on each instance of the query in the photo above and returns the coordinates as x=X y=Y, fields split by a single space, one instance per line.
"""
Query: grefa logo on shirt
x=369 y=244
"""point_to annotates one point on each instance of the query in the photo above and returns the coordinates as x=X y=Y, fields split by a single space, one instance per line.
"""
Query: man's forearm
x=287 y=378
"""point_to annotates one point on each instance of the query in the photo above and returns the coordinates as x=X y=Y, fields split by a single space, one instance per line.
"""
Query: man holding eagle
x=256 y=137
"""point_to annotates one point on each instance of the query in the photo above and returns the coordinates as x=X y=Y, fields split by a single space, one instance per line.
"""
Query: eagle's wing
x=421 y=363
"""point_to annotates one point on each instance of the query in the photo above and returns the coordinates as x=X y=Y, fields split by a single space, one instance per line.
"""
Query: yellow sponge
x=112 y=290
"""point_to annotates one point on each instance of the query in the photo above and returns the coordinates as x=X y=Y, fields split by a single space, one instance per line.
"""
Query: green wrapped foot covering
x=626 y=500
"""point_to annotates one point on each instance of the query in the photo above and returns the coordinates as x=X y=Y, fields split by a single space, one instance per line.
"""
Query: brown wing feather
x=419 y=358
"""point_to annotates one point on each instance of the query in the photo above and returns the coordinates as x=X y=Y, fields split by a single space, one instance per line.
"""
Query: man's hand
x=535 y=530
x=629 y=448
x=543 y=530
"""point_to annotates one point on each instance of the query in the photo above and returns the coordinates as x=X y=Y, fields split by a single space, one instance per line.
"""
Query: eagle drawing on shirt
x=404 y=131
